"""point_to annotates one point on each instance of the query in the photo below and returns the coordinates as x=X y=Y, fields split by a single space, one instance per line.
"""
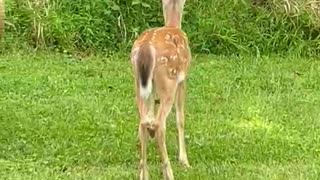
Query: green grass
x=246 y=118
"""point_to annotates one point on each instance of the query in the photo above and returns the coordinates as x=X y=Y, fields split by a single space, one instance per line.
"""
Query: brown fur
x=144 y=63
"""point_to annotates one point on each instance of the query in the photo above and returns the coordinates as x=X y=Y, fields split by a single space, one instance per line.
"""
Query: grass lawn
x=246 y=118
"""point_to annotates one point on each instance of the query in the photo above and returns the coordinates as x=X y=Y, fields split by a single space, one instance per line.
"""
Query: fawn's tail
x=145 y=64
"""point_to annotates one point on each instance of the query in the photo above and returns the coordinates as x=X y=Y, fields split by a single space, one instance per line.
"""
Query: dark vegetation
x=221 y=27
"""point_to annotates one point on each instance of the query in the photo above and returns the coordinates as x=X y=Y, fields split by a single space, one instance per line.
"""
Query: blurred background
x=220 y=27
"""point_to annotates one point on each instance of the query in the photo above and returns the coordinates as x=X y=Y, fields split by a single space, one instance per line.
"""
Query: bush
x=215 y=26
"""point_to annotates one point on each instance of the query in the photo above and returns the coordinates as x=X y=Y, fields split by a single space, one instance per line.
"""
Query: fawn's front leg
x=166 y=91
x=160 y=138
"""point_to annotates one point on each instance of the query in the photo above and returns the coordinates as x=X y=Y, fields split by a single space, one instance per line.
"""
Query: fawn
x=160 y=60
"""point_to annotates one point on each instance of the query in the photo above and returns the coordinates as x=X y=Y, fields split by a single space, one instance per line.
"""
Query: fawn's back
x=172 y=52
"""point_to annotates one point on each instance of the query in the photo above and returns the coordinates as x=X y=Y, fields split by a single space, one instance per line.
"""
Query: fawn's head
x=172 y=12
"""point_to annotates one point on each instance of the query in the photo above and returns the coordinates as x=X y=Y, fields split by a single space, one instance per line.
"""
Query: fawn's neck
x=172 y=12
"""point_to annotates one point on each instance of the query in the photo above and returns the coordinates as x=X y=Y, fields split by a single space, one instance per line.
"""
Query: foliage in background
x=213 y=26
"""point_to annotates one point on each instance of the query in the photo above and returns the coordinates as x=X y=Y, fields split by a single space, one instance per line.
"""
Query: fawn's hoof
x=143 y=174
x=184 y=162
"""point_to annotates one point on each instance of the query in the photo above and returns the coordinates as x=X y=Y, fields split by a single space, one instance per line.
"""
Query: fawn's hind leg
x=180 y=95
x=143 y=135
x=151 y=114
